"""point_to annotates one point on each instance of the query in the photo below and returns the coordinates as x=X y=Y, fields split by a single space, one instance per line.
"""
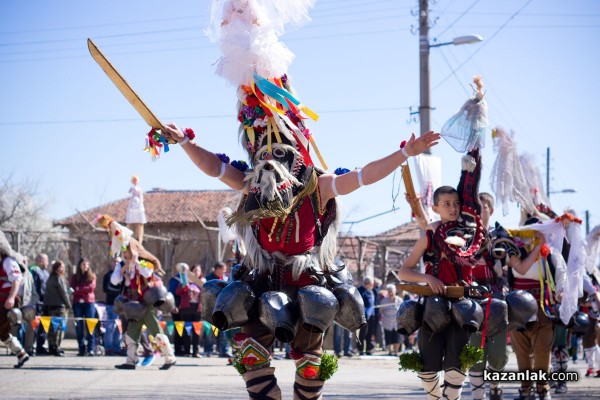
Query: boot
x=262 y=384
x=15 y=348
x=308 y=389
x=477 y=385
x=495 y=393
x=132 y=357
x=526 y=393
x=453 y=381
x=164 y=347
x=543 y=394
x=431 y=384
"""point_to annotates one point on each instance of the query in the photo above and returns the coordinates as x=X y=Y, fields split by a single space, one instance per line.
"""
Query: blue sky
x=65 y=126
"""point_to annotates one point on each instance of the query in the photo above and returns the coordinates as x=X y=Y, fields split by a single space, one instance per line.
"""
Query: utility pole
x=548 y=172
x=587 y=222
x=424 y=79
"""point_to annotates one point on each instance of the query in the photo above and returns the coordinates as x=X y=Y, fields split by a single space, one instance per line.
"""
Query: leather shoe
x=125 y=366
x=167 y=366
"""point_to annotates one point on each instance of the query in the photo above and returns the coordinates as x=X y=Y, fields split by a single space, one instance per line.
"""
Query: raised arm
x=207 y=161
x=331 y=185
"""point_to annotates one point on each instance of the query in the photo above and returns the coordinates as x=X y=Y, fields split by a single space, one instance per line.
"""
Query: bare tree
x=23 y=215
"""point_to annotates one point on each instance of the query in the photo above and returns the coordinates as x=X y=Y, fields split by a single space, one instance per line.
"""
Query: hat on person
x=7 y=250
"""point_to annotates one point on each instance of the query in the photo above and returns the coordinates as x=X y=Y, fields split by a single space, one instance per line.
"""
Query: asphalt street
x=365 y=377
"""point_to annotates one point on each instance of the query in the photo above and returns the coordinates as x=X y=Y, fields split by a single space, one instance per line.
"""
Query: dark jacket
x=57 y=292
x=112 y=291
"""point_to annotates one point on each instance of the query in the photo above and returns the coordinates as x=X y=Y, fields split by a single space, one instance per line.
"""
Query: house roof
x=399 y=236
x=166 y=206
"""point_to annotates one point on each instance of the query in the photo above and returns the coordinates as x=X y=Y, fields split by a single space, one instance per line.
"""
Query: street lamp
x=424 y=46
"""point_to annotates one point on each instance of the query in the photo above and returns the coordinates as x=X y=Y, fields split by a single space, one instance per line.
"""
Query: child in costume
x=142 y=292
x=447 y=249
x=288 y=286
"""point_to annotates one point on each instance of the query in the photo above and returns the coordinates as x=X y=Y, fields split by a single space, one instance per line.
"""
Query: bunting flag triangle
x=56 y=323
x=197 y=326
x=179 y=327
x=215 y=330
x=45 y=323
x=63 y=321
x=35 y=322
x=119 y=325
x=170 y=328
x=163 y=325
x=206 y=327
x=91 y=324
x=188 y=328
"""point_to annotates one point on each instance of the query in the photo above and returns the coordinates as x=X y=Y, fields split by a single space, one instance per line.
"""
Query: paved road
x=72 y=377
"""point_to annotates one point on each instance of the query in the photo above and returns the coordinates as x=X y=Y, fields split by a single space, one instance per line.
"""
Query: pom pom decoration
x=545 y=250
x=223 y=157
x=341 y=171
x=240 y=165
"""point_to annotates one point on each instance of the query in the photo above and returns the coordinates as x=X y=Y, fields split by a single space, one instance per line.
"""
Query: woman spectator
x=389 y=306
x=84 y=285
x=56 y=304
x=190 y=307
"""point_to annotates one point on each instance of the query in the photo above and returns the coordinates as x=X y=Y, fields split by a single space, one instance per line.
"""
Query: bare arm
x=207 y=161
x=422 y=219
x=408 y=273
x=522 y=266
x=375 y=170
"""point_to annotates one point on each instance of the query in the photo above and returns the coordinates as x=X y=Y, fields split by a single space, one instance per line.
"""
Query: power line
x=459 y=18
x=486 y=42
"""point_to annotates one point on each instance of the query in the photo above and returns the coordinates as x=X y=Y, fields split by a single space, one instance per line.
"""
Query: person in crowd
x=367 y=332
x=10 y=280
x=83 y=283
x=173 y=284
x=112 y=335
x=40 y=273
x=190 y=307
x=342 y=337
x=219 y=272
x=56 y=304
x=29 y=297
x=388 y=308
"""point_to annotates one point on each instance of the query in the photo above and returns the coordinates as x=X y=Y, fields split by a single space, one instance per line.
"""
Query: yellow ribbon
x=312 y=141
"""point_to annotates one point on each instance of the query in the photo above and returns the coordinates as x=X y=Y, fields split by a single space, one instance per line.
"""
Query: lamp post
x=424 y=78
x=562 y=191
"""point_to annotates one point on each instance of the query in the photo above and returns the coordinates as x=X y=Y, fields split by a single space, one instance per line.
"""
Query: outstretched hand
x=416 y=146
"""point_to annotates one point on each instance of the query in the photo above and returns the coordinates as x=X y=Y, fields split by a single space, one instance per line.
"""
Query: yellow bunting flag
x=215 y=330
x=179 y=327
x=35 y=322
x=45 y=320
x=197 y=326
x=119 y=326
x=91 y=324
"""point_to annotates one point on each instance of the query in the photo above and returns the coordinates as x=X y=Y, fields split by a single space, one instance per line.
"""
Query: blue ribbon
x=274 y=91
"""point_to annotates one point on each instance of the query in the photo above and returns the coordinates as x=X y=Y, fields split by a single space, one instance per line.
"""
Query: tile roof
x=167 y=206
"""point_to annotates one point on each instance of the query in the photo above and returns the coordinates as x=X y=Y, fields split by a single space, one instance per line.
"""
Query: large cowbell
x=409 y=317
x=278 y=313
x=210 y=292
x=233 y=305
x=318 y=307
x=133 y=311
x=436 y=315
x=351 y=313
x=497 y=320
x=155 y=296
x=522 y=309
x=467 y=314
